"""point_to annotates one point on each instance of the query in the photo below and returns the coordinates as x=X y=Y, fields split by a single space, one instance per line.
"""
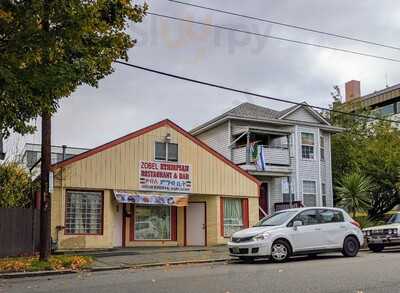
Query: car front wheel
x=350 y=246
x=376 y=247
x=280 y=251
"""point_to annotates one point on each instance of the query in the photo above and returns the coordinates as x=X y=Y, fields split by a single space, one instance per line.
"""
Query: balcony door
x=263 y=200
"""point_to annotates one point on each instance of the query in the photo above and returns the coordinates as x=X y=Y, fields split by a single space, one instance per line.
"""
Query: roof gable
x=145 y=130
x=304 y=113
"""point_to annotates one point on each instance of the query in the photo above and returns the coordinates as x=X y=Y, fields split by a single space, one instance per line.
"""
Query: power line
x=274 y=37
x=288 y=25
x=250 y=93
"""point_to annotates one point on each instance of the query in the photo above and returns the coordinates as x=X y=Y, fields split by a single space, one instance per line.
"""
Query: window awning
x=180 y=200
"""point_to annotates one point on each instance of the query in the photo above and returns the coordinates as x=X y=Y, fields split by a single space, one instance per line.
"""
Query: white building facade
x=296 y=145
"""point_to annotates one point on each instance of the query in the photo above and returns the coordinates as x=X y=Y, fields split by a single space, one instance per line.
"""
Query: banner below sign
x=151 y=199
x=165 y=176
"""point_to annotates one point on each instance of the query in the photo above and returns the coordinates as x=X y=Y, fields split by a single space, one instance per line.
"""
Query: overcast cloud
x=131 y=99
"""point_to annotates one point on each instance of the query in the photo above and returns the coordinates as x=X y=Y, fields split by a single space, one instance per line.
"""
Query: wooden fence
x=19 y=231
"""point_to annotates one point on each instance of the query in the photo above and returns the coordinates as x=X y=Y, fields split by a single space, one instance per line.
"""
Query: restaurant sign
x=180 y=200
x=163 y=176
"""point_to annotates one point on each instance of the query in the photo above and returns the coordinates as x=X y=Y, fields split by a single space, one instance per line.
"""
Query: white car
x=297 y=232
x=380 y=237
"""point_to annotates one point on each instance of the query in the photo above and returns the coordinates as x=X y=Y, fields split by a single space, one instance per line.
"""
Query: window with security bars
x=309 y=193
x=84 y=212
x=307 y=145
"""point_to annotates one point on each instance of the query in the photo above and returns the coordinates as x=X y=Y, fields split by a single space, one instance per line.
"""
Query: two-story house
x=295 y=146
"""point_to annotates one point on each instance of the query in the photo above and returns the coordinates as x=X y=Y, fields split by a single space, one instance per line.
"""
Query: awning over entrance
x=151 y=198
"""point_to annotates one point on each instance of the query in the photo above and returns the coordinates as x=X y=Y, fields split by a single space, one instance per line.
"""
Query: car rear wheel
x=350 y=246
x=280 y=251
x=376 y=247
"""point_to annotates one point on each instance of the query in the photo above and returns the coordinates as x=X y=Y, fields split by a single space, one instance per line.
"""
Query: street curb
x=174 y=263
x=35 y=274
x=111 y=268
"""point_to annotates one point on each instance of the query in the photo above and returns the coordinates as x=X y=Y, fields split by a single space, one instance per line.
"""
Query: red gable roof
x=142 y=131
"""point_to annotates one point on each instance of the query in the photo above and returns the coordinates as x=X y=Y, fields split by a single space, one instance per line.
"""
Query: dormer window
x=166 y=151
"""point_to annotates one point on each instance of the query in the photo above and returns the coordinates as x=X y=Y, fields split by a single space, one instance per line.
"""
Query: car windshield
x=276 y=219
x=394 y=219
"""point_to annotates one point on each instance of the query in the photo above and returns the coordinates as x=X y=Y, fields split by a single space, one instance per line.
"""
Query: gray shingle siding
x=302 y=115
x=218 y=139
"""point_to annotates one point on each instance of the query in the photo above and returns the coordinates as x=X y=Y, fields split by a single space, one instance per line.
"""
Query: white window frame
x=316 y=190
x=308 y=145
x=166 y=152
x=284 y=182
x=322 y=147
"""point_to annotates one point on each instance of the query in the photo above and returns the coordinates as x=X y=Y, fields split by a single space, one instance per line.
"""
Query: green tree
x=50 y=47
x=370 y=148
x=354 y=192
x=15 y=186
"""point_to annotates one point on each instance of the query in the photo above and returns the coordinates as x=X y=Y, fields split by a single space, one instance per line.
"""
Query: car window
x=276 y=219
x=394 y=219
x=308 y=217
x=331 y=216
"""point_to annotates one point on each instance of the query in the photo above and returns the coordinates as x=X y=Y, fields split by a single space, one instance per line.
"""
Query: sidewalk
x=132 y=257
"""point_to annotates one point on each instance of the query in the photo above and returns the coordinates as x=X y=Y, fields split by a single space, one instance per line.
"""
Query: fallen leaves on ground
x=61 y=262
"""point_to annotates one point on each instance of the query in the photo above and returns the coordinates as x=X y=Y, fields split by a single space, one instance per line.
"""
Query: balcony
x=277 y=159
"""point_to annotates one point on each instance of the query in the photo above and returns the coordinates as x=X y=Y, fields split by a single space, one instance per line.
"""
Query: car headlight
x=261 y=236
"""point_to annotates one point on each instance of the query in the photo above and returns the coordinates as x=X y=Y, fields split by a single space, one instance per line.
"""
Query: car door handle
x=317 y=229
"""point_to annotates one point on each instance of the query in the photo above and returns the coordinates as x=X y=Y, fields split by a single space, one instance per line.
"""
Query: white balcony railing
x=273 y=156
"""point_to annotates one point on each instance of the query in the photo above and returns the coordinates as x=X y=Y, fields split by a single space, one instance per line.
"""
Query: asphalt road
x=366 y=273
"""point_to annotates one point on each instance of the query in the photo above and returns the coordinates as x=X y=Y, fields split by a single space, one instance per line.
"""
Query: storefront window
x=233 y=216
x=152 y=223
x=84 y=212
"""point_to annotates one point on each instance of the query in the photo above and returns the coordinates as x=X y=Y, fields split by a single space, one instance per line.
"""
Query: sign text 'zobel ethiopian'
x=164 y=176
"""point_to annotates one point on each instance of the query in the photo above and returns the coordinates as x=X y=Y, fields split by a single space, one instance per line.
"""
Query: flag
x=261 y=164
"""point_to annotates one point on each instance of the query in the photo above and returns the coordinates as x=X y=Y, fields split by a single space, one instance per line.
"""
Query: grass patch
x=33 y=264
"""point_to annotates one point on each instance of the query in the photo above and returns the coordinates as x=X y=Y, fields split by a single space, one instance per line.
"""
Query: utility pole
x=45 y=200
x=2 y=153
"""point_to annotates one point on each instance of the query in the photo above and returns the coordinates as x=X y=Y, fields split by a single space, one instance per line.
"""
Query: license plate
x=235 y=249
x=377 y=240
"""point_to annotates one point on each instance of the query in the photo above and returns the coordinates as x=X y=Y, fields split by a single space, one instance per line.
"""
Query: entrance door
x=118 y=226
x=196 y=224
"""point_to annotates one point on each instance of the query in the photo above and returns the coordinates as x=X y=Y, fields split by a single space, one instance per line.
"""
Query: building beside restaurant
x=31 y=154
x=289 y=151
x=384 y=102
x=158 y=186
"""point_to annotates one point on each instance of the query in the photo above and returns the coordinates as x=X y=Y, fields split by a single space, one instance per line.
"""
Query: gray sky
x=130 y=99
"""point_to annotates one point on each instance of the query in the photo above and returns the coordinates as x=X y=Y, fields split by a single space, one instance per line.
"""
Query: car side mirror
x=297 y=224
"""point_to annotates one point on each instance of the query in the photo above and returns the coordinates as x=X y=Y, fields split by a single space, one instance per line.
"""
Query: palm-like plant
x=354 y=192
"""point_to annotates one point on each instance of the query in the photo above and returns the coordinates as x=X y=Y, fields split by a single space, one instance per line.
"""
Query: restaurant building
x=158 y=186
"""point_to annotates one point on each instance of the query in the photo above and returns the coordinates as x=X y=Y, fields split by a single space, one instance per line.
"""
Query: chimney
x=353 y=90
